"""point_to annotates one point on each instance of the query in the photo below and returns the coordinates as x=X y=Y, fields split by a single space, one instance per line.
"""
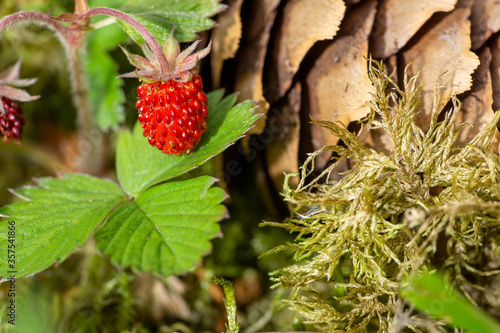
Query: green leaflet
x=139 y=165
x=159 y=17
x=166 y=229
x=56 y=217
x=431 y=294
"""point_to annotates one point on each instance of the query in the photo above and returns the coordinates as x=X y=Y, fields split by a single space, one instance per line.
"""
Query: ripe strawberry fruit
x=173 y=114
x=171 y=103
x=11 y=121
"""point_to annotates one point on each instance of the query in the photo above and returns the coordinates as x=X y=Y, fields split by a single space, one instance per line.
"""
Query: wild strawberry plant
x=143 y=219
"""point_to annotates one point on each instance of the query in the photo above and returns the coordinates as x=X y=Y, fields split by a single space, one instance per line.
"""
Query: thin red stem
x=148 y=37
x=45 y=19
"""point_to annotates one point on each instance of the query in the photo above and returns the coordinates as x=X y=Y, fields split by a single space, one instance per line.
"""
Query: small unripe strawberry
x=11 y=121
x=171 y=103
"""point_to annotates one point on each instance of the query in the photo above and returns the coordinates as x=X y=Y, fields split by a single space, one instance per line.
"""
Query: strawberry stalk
x=73 y=42
x=73 y=38
x=165 y=66
x=41 y=18
x=81 y=6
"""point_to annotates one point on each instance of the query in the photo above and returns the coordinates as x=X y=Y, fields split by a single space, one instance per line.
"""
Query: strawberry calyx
x=179 y=64
x=10 y=78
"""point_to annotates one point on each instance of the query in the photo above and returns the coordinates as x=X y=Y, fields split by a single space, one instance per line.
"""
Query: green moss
x=232 y=326
x=427 y=204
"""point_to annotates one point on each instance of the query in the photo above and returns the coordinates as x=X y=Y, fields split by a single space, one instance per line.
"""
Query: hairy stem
x=89 y=137
x=41 y=18
x=148 y=37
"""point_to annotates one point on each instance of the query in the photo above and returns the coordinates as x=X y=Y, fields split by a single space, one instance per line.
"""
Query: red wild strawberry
x=11 y=121
x=171 y=103
x=173 y=114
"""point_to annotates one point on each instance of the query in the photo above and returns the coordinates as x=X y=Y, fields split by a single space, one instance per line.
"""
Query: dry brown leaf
x=225 y=39
x=158 y=299
x=444 y=48
x=391 y=66
x=304 y=23
x=338 y=84
x=282 y=154
x=247 y=288
x=485 y=21
x=251 y=57
x=477 y=106
x=397 y=21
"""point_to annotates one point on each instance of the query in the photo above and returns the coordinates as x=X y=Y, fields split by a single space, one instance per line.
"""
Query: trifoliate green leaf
x=166 y=229
x=160 y=16
x=139 y=165
x=54 y=219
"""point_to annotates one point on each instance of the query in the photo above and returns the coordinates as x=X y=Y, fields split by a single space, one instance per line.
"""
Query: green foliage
x=431 y=294
x=166 y=229
x=105 y=90
x=390 y=215
x=139 y=165
x=187 y=17
x=232 y=325
x=32 y=302
x=54 y=219
x=85 y=293
x=106 y=3
x=104 y=297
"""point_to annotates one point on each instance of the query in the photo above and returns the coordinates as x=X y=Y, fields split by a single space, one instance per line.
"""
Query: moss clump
x=427 y=204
